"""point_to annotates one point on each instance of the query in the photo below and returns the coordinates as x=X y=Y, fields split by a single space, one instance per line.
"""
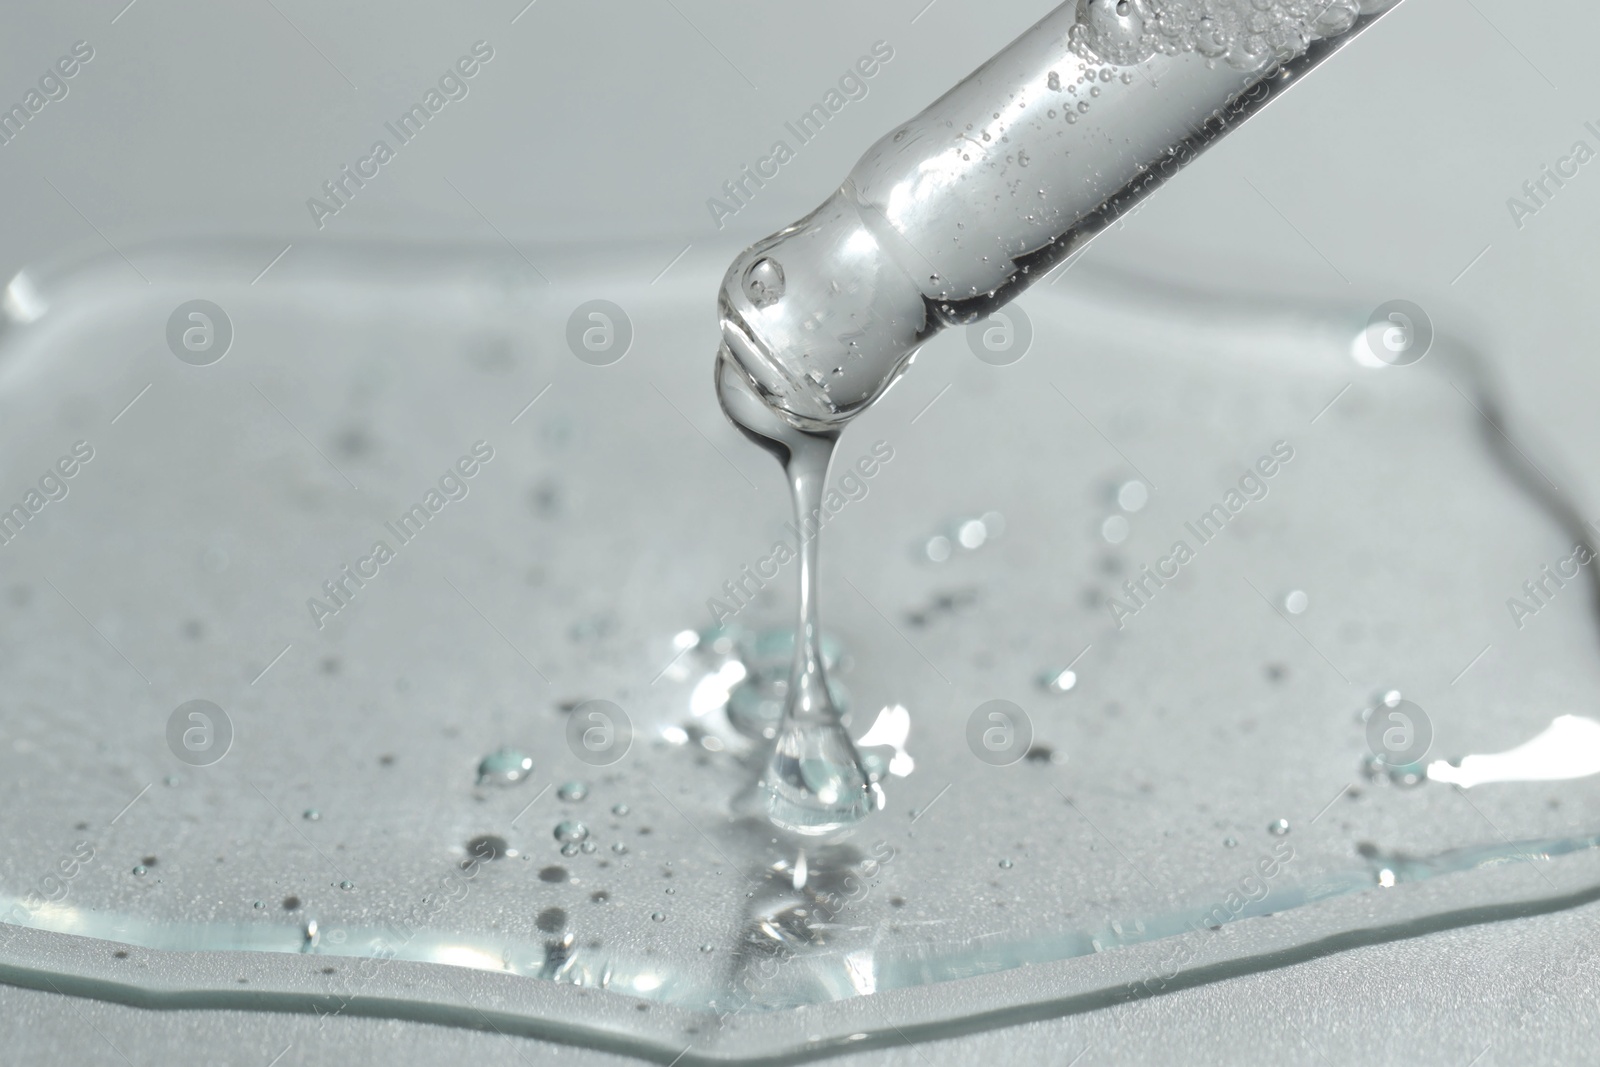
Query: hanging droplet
x=814 y=781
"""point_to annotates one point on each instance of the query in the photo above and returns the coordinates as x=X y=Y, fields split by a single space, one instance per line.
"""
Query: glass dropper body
x=954 y=213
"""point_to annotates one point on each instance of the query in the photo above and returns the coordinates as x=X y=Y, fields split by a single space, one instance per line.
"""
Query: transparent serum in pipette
x=814 y=782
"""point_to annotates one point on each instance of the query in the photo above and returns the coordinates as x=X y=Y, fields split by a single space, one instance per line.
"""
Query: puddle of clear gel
x=1566 y=749
x=815 y=971
x=815 y=782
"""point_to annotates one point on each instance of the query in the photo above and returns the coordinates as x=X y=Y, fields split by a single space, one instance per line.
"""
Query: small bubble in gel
x=572 y=792
x=1278 y=827
x=569 y=830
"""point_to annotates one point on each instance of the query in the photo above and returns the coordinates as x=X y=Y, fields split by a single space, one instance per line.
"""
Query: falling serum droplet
x=569 y=831
x=1278 y=827
x=572 y=792
x=814 y=782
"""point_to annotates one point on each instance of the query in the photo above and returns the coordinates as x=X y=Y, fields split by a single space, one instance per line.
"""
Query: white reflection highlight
x=891 y=728
x=1568 y=748
x=22 y=301
x=1362 y=352
x=907 y=199
x=711 y=692
x=863 y=977
x=860 y=245
x=462 y=956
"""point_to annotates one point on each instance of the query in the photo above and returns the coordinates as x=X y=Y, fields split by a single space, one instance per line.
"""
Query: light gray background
x=602 y=122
